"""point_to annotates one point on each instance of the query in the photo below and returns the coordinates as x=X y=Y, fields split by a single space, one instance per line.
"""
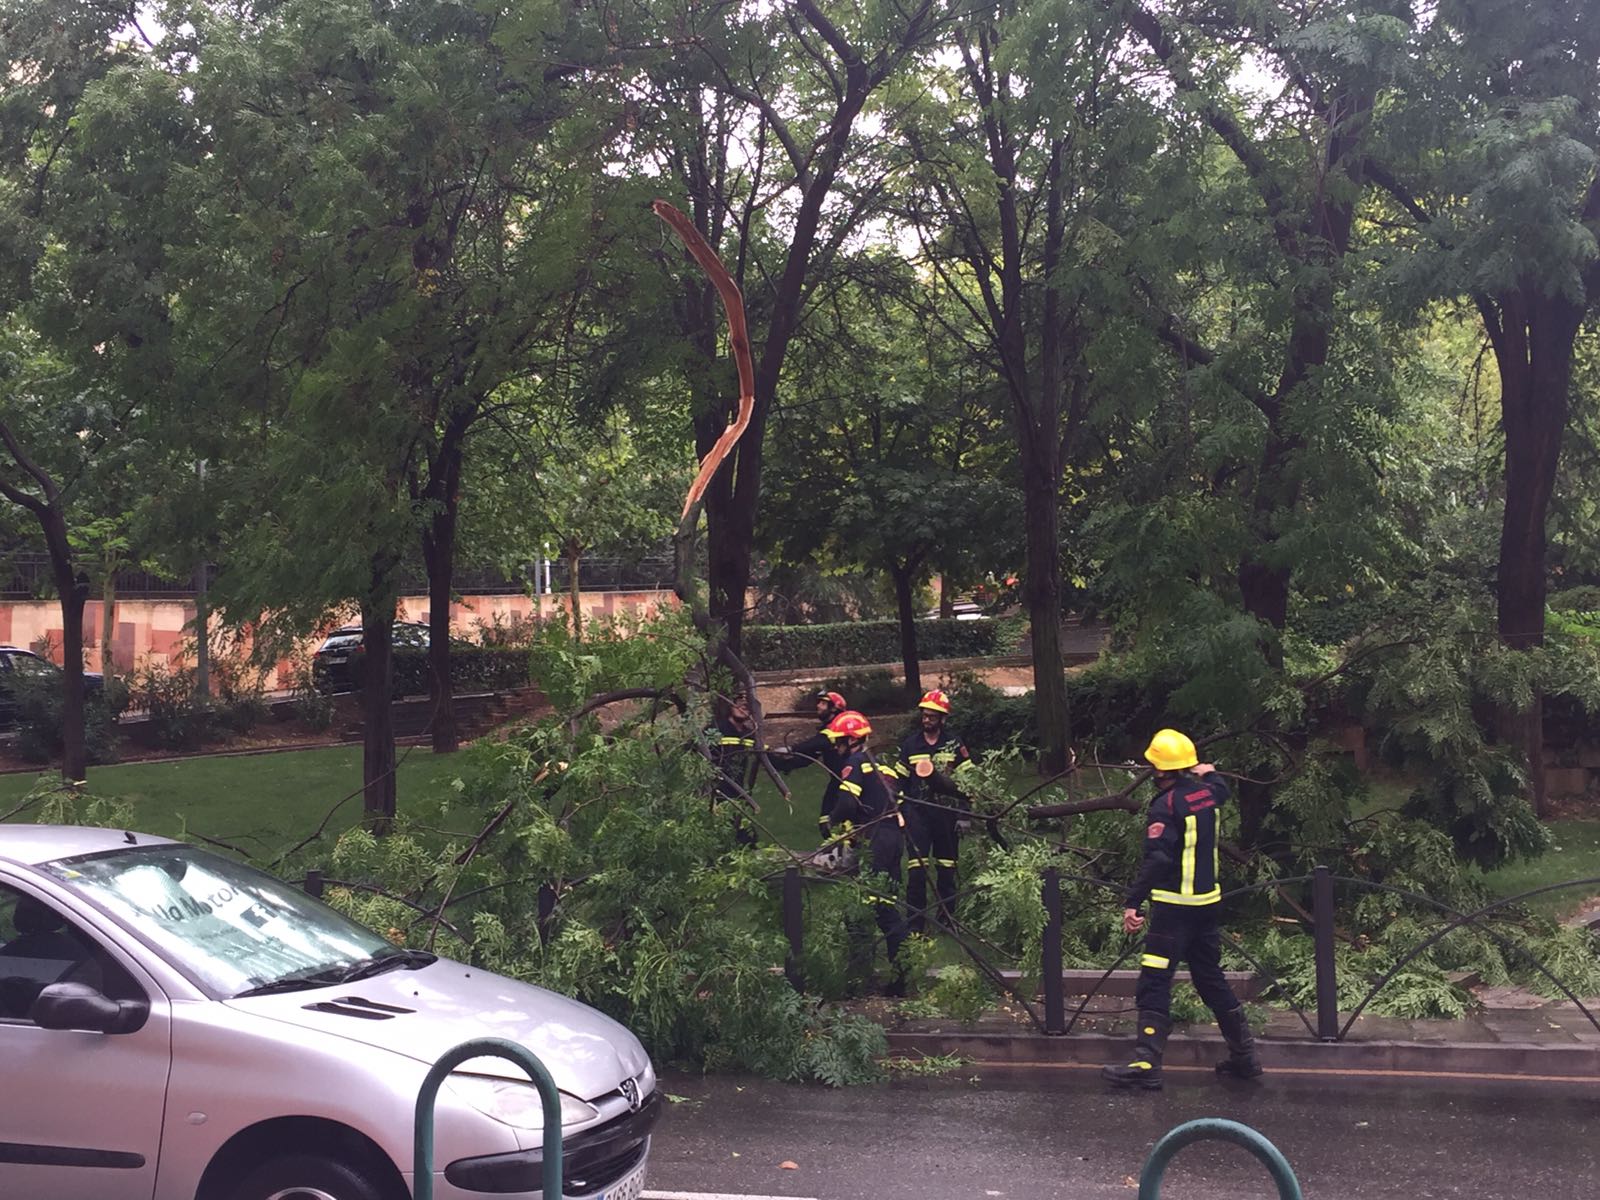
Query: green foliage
x=1572 y=955
x=240 y=691
x=472 y=668
x=986 y=718
x=38 y=722
x=875 y=691
x=779 y=647
x=628 y=652
x=961 y=994
x=501 y=632
x=926 y=1066
x=661 y=918
x=311 y=704
x=62 y=804
x=177 y=717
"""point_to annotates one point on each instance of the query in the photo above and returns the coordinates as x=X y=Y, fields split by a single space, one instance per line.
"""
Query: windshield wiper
x=294 y=983
x=344 y=972
x=377 y=964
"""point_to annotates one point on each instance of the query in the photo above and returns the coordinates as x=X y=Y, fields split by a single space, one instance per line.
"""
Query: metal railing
x=549 y=1097
x=1215 y=1129
x=26 y=575
x=1326 y=1026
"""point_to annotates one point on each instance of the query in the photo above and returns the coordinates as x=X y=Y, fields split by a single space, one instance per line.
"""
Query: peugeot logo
x=630 y=1093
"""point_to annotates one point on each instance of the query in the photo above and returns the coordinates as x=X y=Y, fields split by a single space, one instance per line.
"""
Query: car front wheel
x=308 y=1177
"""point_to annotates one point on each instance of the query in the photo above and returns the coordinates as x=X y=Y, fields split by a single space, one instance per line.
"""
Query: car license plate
x=630 y=1188
x=336 y=658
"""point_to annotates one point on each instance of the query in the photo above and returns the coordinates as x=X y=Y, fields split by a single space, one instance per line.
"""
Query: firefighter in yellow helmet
x=929 y=756
x=1179 y=877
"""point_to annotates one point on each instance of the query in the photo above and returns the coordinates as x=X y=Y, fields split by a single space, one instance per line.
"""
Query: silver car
x=175 y=1025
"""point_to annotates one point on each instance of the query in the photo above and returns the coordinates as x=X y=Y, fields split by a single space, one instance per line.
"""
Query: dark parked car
x=17 y=665
x=336 y=665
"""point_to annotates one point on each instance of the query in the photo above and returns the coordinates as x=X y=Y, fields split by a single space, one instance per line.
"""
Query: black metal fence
x=27 y=576
x=1050 y=1016
x=1048 y=1008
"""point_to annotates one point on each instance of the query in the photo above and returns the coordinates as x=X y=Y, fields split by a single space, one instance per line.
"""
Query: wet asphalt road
x=1067 y=1138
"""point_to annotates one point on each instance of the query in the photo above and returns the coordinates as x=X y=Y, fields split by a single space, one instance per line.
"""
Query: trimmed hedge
x=856 y=643
x=472 y=669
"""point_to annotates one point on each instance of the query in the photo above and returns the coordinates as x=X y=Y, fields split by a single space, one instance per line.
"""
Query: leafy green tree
x=1015 y=142
x=884 y=460
x=84 y=322
x=1494 y=155
x=396 y=218
x=755 y=129
x=576 y=489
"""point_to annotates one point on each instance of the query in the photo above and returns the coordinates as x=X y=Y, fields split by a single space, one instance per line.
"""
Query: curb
x=1399 y=1062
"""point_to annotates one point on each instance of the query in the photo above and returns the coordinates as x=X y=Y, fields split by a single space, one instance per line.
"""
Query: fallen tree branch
x=616 y=697
x=684 y=584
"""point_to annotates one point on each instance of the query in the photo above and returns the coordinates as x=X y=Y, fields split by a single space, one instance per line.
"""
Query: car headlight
x=515 y=1103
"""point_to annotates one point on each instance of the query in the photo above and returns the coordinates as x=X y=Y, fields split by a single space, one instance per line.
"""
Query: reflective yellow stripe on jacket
x=1186 y=894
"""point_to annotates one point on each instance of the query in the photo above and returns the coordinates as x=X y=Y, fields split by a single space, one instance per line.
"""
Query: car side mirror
x=79 y=1006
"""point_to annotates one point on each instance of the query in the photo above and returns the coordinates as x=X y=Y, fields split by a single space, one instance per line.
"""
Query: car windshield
x=229 y=927
x=27 y=664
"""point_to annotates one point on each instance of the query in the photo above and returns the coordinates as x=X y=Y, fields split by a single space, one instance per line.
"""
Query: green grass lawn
x=1574 y=854
x=260 y=802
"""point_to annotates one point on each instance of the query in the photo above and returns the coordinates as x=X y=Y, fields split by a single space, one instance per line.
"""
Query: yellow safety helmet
x=1170 y=750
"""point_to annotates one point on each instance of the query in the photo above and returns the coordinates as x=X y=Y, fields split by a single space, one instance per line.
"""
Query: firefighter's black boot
x=1242 y=1062
x=1144 y=1071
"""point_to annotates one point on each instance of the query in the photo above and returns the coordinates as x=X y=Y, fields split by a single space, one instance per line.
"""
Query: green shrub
x=501 y=632
x=871 y=691
x=313 y=706
x=490 y=668
x=38 y=723
x=472 y=669
x=240 y=697
x=177 y=717
x=857 y=643
x=1115 y=708
x=961 y=994
x=987 y=719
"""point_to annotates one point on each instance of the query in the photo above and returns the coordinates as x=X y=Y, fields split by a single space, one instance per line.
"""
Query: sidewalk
x=1553 y=1042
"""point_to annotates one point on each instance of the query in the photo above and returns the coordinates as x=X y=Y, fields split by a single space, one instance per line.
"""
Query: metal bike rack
x=1216 y=1129
x=422 y=1162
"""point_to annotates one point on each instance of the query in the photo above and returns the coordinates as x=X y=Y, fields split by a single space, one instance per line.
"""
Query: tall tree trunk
x=905 y=600
x=439 y=555
x=947 y=598
x=1042 y=594
x=378 y=794
x=731 y=513
x=72 y=586
x=202 y=634
x=1039 y=427
x=108 y=621
x=1533 y=336
x=574 y=555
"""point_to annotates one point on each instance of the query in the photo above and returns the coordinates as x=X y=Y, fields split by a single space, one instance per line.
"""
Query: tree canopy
x=1254 y=331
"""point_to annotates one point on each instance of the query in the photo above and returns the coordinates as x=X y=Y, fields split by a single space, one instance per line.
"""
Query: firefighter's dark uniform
x=823 y=750
x=867 y=802
x=929 y=804
x=1179 y=877
x=732 y=753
